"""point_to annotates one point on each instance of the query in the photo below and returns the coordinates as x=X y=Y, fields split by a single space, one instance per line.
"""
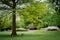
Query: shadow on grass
x=8 y=35
x=52 y=35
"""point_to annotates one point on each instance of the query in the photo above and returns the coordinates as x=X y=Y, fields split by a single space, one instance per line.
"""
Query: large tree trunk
x=14 y=24
x=14 y=19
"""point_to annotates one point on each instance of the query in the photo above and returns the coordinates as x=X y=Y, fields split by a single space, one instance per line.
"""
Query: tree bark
x=14 y=19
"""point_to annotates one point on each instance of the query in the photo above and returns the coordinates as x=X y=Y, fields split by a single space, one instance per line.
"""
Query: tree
x=12 y=4
x=57 y=9
x=34 y=13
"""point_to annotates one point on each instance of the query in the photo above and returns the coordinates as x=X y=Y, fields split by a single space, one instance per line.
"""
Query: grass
x=31 y=35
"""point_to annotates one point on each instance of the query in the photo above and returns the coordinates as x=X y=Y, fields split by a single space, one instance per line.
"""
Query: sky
x=40 y=0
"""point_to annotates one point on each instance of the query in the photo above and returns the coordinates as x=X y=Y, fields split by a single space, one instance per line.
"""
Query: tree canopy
x=34 y=13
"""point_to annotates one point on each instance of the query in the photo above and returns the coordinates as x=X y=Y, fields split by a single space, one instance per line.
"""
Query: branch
x=7 y=3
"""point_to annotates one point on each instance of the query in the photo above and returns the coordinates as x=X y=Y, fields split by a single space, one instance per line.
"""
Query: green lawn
x=31 y=35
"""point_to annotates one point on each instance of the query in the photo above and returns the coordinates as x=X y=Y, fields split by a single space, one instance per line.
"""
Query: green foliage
x=5 y=19
x=20 y=23
x=55 y=19
x=34 y=12
x=40 y=14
